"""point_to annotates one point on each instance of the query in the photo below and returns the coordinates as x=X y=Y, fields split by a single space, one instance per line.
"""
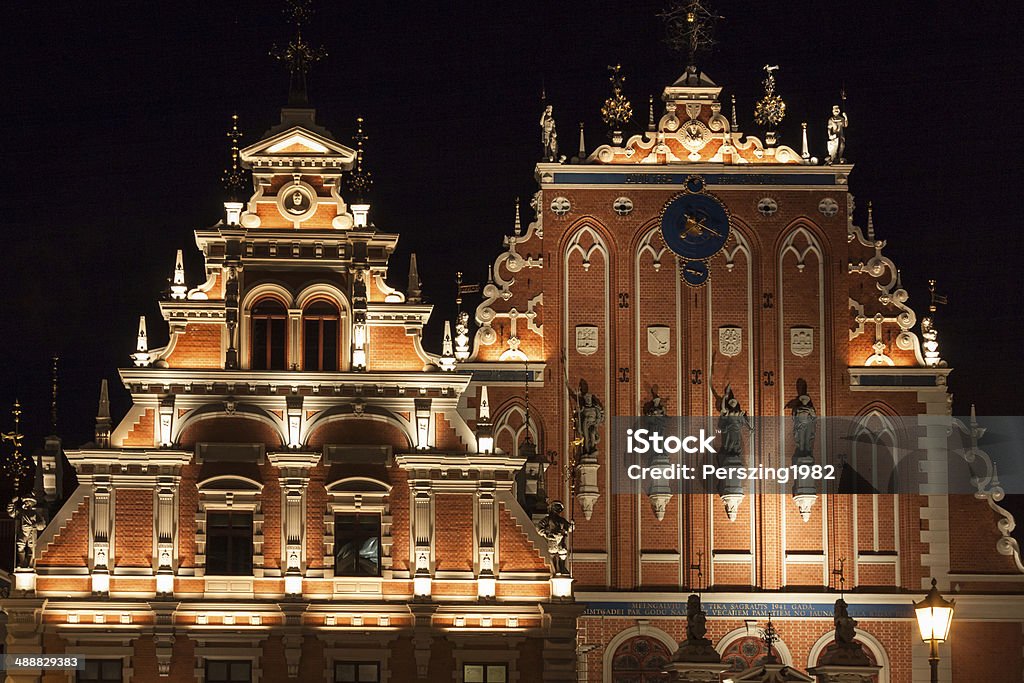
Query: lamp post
x=934 y=617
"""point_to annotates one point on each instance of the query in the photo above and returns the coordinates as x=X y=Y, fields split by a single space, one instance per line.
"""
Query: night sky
x=114 y=144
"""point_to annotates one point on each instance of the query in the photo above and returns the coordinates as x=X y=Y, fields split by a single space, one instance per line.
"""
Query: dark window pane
x=357 y=544
x=277 y=344
x=229 y=543
x=100 y=671
x=228 y=671
x=356 y=672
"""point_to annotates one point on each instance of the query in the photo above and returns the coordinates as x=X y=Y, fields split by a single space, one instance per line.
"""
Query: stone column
x=24 y=635
x=560 y=641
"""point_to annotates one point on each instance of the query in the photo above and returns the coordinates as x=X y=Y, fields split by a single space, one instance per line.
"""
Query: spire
x=583 y=145
x=517 y=229
x=178 y=288
x=871 y=221
x=804 y=151
x=360 y=181
x=484 y=411
x=54 y=377
x=650 y=113
x=141 y=356
x=103 y=424
x=413 y=294
x=298 y=56
x=447 y=362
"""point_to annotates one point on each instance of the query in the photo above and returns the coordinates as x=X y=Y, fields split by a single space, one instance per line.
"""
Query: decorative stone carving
x=622 y=205
x=730 y=341
x=801 y=341
x=555 y=528
x=697 y=647
x=560 y=206
x=767 y=206
x=731 y=422
x=828 y=207
x=659 y=339
x=837 y=124
x=589 y=418
x=586 y=339
x=805 y=419
x=28 y=522
x=549 y=135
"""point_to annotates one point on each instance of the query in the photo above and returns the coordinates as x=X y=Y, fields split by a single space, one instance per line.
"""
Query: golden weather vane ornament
x=770 y=109
x=298 y=55
x=234 y=177
x=690 y=28
x=359 y=180
x=16 y=466
x=617 y=110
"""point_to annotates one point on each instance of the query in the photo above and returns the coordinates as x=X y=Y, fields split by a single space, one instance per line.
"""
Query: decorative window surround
x=502 y=649
x=228 y=493
x=350 y=495
x=375 y=650
x=251 y=654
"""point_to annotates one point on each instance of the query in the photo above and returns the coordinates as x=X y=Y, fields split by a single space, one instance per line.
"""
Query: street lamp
x=934 y=616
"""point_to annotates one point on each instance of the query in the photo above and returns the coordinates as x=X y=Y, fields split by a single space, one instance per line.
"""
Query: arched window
x=320 y=331
x=640 y=660
x=269 y=335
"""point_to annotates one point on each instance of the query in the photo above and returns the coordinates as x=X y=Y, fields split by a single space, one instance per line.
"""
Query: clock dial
x=694 y=273
x=695 y=226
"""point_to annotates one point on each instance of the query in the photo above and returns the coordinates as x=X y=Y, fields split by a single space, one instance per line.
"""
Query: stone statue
x=555 y=528
x=805 y=419
x=845 y=651
x=548 y=134
x=731 y=421
x=589 y=417
x=654 y=412
x=837 y=124
x=28 y=522
x=697 y=647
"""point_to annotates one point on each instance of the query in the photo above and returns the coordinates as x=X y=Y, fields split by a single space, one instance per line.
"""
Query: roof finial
x=650 y=113
x=360 y=181
x=234 y=177
x=178 y=287
x=805 y=152
x=517 y=229
x=16 y=466
x=583 y=145
x=447 y=360
x=871 y=221
x=54 y=378
x=142 y=356
x=735 y=120
x=103 y=424
x=690 y=28
x=484 y=409
x=298 y=55
x=413 y=293
x=617 y=110
x=770 y=109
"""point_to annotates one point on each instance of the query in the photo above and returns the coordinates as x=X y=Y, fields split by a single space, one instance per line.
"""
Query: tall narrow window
x=229 y=543
x=357 y=544
x=269 y=335
x=320 y=326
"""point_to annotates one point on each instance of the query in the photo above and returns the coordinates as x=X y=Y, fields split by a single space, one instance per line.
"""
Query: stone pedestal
x=772 y=672
x=559 y=652
x=839 y=673
x=696 y=672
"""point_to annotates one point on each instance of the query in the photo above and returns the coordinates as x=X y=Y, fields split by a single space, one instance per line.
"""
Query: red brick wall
x=197 y=347
x=133 y=528
x=70 y=546
x=453 y=532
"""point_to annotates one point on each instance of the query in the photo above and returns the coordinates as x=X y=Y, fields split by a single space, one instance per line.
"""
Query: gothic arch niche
x=876 y=512
x=587 y=338
x=638 y=655
x=876 y=653
x=510 y=428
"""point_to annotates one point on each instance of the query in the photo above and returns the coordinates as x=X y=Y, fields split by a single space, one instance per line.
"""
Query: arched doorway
x=640 y=660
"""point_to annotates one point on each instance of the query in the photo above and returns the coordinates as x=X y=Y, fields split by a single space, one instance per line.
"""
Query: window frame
x=214 y=660
x=79 y=678
x=486 y=665
x=320 y=319
x=229 y=537
x=357 y=663
x=352 y=495
x=254 y=317
x=357 y=514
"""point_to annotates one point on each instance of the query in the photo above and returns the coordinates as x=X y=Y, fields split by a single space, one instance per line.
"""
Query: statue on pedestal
x=845 y=651
x=548 y=134
x=837 y=124
x=697 y=647
x=556 y=528
x=589 y=417
x=28 y=522
x=805 y=419
x=731 y=421
x=654 y=412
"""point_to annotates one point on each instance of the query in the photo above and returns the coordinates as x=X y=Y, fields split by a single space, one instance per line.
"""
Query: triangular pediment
x=298 y=143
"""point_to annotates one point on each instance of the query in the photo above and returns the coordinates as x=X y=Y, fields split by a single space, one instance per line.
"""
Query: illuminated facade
x=302 y=490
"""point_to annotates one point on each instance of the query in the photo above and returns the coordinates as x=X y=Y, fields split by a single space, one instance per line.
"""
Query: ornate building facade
x=301 y=490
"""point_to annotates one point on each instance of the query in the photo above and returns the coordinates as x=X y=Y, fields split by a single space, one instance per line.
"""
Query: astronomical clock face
x=695 y=226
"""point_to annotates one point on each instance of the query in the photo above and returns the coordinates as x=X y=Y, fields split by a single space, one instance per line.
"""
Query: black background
x=114 y=123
